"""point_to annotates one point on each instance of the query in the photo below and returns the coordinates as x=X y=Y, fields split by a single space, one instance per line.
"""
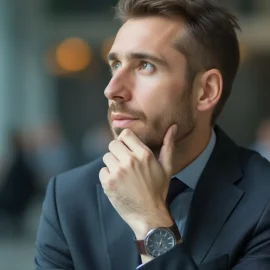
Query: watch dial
x=159 y=241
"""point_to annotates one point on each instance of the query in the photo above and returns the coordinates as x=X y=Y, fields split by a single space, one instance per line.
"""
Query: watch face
x=159 y=241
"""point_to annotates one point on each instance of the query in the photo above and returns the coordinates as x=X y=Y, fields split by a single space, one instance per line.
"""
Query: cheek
x=148 y=94
x=153 y=92
x=160 y=98
x=164 y=112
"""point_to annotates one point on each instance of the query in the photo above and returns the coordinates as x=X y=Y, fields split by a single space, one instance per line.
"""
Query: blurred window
x=241 y=6
x=65 y=7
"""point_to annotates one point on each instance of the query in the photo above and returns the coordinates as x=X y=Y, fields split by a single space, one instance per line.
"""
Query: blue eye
x=116 y=65
x=147 y=67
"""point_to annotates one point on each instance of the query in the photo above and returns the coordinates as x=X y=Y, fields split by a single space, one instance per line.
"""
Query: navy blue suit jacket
x=228 y=225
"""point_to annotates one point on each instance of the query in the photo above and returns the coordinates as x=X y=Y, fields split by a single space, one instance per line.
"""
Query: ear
x=210 y=90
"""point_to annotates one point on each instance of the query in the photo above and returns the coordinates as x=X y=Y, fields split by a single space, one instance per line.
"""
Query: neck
x=188 y=149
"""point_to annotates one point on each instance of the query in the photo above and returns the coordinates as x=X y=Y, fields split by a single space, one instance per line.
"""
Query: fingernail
x=175 y=127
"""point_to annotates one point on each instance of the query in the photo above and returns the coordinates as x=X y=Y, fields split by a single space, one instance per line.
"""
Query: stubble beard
x=153 y=133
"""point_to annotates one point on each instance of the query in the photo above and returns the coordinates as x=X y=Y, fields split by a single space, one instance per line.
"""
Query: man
x=173 y=64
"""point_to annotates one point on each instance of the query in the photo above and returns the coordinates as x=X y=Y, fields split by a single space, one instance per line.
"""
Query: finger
x=166 y=152
x=103 y=175
x=110 y=161
x=119 y=150
x=133 y=142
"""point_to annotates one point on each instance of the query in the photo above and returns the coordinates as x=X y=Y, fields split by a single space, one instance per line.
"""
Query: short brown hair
x=211 y=42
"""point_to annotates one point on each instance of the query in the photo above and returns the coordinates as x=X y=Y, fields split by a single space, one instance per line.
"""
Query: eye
x=147 y=67
x=115 y=65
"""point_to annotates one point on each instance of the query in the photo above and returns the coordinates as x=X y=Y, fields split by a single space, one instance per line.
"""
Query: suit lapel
x=118 y=236
x=215 y=198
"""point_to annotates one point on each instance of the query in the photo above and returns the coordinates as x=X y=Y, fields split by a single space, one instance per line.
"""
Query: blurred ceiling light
x=106 y=47
x=73 y=54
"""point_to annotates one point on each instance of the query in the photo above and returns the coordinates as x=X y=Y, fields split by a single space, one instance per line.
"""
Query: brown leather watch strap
x=140 y=247
x=176 y=233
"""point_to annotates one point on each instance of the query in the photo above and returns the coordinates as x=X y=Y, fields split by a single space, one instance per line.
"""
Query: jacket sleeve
x=256 y=253
x=175 y=259
x=179 y=259
x=257 y=250
x=52 y=251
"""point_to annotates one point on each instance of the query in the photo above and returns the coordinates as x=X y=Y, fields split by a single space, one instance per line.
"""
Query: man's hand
x=136 y=183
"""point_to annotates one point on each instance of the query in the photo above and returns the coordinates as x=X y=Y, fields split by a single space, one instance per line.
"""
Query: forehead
x=153 y=34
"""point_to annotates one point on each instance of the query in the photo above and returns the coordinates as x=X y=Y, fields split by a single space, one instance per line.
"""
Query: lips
x=122 y=121
x=121 y=117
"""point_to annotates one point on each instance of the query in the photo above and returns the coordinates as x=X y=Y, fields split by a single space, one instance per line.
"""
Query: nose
x=119 y=87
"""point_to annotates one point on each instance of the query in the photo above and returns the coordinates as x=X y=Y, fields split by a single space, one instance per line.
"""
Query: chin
x=150 y=139
x=116 y=132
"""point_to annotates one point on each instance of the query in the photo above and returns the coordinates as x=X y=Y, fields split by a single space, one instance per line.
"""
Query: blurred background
x=52 y=108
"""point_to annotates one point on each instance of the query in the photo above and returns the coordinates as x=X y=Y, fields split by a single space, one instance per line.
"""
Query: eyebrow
x=139 y=56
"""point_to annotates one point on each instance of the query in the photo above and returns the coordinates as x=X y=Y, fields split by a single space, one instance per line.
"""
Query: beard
x=152 y=132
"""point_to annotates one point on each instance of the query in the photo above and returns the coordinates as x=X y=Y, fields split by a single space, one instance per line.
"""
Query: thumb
x=166 y=152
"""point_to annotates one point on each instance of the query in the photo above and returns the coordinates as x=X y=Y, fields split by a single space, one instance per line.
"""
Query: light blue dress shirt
x=190 y=175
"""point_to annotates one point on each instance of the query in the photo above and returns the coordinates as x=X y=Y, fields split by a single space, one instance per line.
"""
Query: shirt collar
x=190 y=175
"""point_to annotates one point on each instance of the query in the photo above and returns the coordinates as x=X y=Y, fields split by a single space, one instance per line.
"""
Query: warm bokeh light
x=73 y=54
x=106 y=46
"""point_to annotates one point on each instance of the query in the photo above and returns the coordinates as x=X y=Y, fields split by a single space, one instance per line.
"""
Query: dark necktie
x=175 y=188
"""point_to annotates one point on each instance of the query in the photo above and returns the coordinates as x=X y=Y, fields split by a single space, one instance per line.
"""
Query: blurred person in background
x=173 y=191
x=262 y=141
x=18 y=186
x=52 y=153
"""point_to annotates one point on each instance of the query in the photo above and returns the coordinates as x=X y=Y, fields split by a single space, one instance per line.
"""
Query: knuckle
x=111 y=185
x=131 y=162
x=119 y=172
x=147 y=155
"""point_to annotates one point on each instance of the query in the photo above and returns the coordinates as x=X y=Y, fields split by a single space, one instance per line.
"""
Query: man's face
x=148 y=91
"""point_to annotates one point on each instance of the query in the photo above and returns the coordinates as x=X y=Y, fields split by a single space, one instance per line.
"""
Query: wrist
x=144 y=226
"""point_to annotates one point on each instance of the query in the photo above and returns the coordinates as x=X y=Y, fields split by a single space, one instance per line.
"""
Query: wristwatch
x=158 y=241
